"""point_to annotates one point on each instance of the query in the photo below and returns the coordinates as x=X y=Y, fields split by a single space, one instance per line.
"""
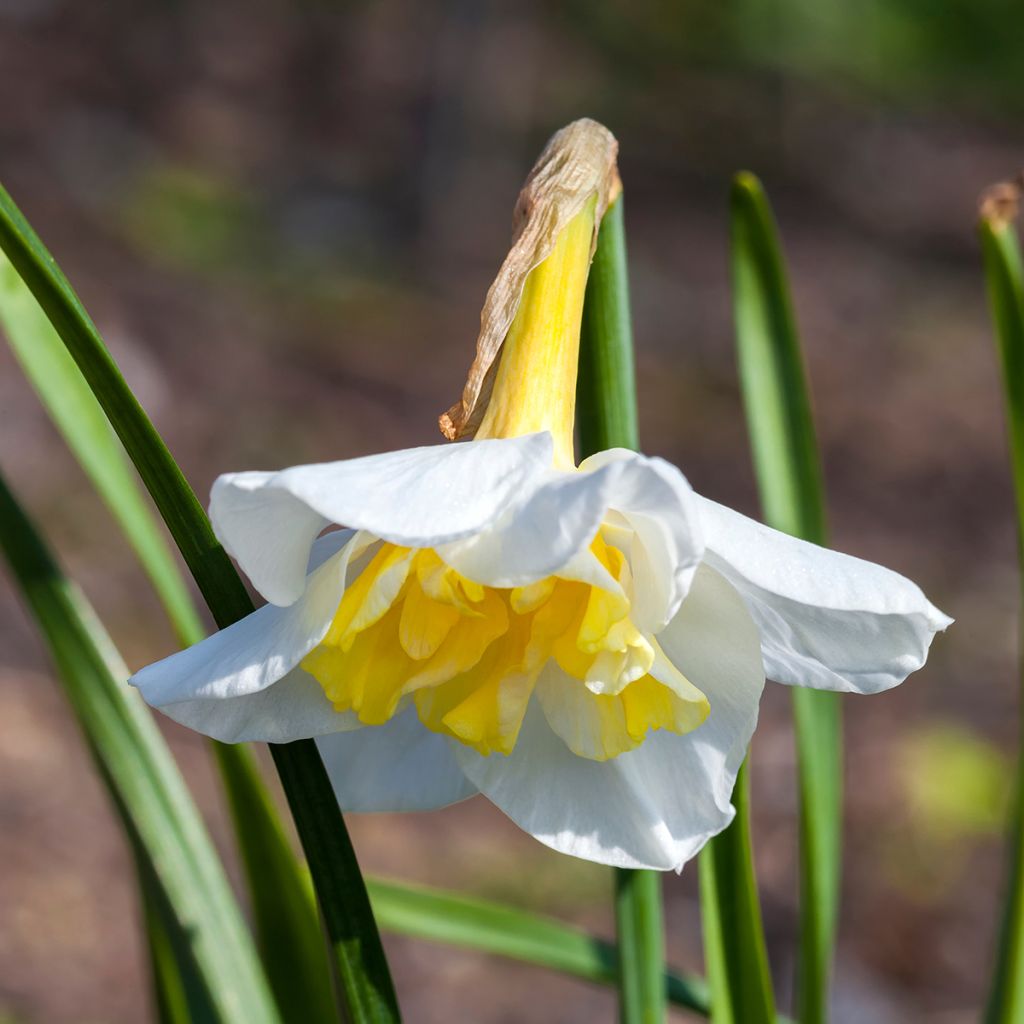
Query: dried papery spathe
x=578 y=163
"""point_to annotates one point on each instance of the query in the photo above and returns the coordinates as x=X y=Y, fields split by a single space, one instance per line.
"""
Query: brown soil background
x=283 y=218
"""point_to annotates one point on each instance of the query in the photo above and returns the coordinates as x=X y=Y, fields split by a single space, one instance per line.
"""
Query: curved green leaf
x=287 y=927
x=142 y=778
x=288 y=930
x=358 y=956
x=789 y=480
x=488 y=927
x=81 y=421
x=178 y=993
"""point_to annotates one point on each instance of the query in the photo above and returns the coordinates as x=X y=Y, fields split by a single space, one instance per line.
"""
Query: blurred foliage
x=956 y=790
x=958 y=50
x=188 y=218
x=956 y=783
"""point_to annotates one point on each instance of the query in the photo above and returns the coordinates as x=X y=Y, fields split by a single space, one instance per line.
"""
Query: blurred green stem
x=1005 y=280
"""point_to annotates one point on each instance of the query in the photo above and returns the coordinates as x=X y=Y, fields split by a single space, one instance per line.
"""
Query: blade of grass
x=1004 y=274
x=142 y=778
x=487 y=927
x=357 y=954
x=287 y=926
x=788 y=473
x=606 y=417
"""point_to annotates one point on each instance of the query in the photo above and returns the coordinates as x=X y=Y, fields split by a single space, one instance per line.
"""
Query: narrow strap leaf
x=288 y=929
x=789 y=480
x=141 y=777
x=358 y=955
x=488 y=927
x=179 y=996
x=78 y=416
x=606 y=418
x=1004 y=276
x=734 y=943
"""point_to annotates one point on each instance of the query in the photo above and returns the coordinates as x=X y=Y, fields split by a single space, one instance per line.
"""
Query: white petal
x=400 y=766
x=827 y=620
x=327 y=545
x=419 y=497
x=656 y=502
x=656 y=806
x=256 y=651
x=294 y=708
x=559 y=520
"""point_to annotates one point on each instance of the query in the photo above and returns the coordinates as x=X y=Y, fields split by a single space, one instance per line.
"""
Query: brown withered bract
x=577 y=163
x=1000 y=203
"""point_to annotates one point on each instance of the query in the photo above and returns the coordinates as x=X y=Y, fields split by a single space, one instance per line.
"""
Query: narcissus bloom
x=586 y=646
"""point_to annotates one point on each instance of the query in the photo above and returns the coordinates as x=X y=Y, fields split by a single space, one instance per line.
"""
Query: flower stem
x=606 y=411
x=734 y=947
x=607 y=418
x=638 y=922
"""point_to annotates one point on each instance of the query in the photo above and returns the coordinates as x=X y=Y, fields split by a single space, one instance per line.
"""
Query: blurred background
x=284 y=217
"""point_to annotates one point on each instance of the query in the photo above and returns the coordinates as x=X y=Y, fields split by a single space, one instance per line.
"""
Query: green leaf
x=771 y=370
x=1005 y=279
x=357 y=954
x=142 y=778
x=288 y=930
x=80 y=419
x=505 y=931
x=734 y=947
x=178 y=993
x=606 y=417
x=287 y=927
x=789 y=480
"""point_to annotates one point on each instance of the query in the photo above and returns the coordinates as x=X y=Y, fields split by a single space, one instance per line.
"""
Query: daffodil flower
x=586 y=646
